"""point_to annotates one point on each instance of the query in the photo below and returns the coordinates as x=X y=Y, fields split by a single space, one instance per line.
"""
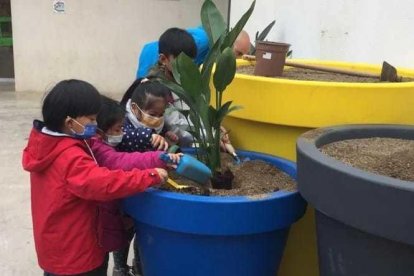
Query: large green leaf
x=208 y=66
x=211 y=57
x=180 y=92
x=266 y=31
x=225 y=109
x=225 y=70
x=203 y=108
x=234 y=33
x=212 y=20
x=175 y=72
x=262 y=36
x=212 y=115
x=190 y=76
x=193 y=86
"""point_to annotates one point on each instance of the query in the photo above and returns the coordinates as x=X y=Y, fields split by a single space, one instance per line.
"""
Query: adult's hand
x=224 y=139
x=171 y=136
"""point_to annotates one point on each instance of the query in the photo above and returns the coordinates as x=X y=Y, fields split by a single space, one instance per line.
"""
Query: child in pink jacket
x=115 y=231
x=110 y=121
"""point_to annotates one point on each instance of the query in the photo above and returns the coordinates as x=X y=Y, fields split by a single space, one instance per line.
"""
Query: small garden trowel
x=230 y=149
x=191 y=168
x=175 y=185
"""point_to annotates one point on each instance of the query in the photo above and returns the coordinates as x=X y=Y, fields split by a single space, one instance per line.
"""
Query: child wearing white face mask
x=120 y=231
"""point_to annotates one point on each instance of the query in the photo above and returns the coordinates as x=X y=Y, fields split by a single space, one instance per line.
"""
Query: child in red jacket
x=67 y=183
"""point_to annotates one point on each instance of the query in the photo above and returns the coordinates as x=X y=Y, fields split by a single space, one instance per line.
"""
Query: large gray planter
x=365 y=221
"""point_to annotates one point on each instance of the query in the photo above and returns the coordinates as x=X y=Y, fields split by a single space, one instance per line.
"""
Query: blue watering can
x=191 y=168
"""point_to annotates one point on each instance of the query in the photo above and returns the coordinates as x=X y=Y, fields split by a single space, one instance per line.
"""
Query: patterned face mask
x=151 y=121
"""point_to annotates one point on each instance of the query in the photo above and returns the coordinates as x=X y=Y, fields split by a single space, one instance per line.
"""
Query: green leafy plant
x=262 y=36
x=192 y=85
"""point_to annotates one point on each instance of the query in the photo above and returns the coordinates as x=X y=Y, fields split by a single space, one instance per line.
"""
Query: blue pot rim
x=220 y=215
x=218 y=198
x=286 y=166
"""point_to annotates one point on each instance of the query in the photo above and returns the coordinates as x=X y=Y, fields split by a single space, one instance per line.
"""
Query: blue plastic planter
x=191 y=235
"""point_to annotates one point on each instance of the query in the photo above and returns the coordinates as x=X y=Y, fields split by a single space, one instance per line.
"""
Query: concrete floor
x=17 y=251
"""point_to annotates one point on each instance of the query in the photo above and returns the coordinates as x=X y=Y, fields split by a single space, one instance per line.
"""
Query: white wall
x=94 y=40
x=348 y=30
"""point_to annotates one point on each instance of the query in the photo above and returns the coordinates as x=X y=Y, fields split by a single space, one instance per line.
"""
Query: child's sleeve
x=136 y=139
x=177 y=123
x=87 y=180
x=133 y=160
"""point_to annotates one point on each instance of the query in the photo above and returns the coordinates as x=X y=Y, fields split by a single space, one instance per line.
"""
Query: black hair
x=71 y=98
x=111 y=112
x=143 y=92
x=130 y=91
x=174 y=41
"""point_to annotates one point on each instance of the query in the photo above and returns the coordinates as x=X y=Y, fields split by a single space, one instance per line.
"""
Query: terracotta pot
x=270 y=58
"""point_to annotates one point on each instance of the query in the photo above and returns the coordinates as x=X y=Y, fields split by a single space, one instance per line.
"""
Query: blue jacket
x=149 y=54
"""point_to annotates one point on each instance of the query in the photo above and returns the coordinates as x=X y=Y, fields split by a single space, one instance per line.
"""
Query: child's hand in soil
x=158 y=142
x=163 y=175
x=171 y=136
x=175 y=159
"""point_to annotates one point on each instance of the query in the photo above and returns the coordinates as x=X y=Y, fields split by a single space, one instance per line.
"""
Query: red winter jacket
x=65 y=185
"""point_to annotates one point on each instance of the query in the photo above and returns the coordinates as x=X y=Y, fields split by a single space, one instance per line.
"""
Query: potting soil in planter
x=251 y=178
x=384 y=156
x=313 y=75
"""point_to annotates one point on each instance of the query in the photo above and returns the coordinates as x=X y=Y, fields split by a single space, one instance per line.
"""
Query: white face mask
x=113 y=140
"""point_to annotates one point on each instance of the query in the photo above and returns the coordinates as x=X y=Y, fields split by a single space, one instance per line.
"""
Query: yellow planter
x=276 y=111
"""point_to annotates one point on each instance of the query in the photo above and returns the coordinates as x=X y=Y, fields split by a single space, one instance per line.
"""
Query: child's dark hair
x=174 y=41
x=143 y=92
x=111 y=112
x=71 y=98
x=130 y=91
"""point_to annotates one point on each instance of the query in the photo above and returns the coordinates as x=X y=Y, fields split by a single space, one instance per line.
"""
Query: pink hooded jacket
x=111 y=222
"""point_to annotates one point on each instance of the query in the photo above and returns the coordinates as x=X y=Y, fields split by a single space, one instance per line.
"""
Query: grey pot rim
x=310 y=146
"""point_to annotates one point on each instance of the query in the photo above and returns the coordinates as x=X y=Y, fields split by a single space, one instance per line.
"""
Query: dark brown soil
x=385 y=156
x=251 y=178
x=312 y=75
